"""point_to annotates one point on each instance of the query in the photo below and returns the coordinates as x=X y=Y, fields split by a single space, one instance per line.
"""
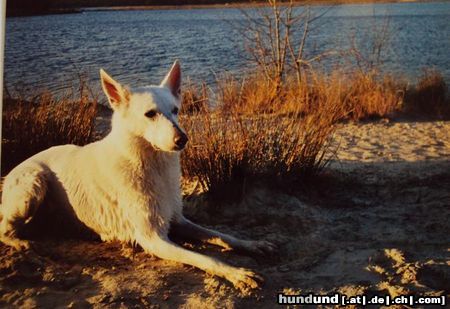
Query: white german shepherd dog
x=126 y=186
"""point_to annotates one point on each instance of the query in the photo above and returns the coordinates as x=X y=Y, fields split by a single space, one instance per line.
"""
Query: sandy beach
x=394 y=142
x=377 y=223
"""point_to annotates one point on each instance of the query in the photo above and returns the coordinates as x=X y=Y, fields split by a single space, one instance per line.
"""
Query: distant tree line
x=27 y=7
x=31 y=7
x=94 y=3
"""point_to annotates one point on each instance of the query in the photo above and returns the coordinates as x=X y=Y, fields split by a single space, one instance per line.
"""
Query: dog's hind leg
x=162 y=247
x=24 y=190
x=186 y=228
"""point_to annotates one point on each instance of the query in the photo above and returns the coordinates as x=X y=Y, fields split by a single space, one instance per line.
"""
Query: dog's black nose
x=180 y=140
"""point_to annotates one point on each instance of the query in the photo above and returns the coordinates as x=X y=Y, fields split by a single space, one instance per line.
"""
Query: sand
x=376 y=224
x=394 y=142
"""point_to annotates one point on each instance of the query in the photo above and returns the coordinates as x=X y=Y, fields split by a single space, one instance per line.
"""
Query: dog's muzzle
x=180 y=140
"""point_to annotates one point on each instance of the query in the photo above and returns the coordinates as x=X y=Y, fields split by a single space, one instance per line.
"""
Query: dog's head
x=149 y=112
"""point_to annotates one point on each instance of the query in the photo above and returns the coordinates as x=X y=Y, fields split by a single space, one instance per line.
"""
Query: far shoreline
x=75 y=10
x=245 y=5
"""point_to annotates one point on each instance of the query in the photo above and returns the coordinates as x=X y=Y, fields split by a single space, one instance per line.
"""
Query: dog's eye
x=175 y=111
x=150 y=114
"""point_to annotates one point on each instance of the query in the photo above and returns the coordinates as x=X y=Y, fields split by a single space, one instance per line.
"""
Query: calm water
x=139 y=46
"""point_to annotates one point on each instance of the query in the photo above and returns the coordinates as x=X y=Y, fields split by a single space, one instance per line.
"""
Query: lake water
x=138 y=47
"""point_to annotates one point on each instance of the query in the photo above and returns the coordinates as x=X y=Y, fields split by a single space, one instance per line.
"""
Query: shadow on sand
x=375 y=228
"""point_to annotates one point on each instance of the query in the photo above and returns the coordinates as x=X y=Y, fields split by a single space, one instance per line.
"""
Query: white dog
x=126 y=186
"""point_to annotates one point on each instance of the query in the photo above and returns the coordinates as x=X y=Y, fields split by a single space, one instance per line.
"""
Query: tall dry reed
x=246 y=135
x=30 y=126
x=429 y=97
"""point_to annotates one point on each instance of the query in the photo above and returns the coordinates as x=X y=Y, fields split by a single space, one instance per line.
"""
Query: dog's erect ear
x=117 y=95
x=173 y=79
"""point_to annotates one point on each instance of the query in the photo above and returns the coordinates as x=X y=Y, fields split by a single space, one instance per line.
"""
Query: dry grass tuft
x=370 y=96
x=239 y=140
x=30 y=126
x=249 y=95
x=226 y=151
x=430 y=97
x=358 y=95
x=195 y=98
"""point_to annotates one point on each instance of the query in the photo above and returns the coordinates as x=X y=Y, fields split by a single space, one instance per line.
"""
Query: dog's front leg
x=186 y=228
x=163 y=248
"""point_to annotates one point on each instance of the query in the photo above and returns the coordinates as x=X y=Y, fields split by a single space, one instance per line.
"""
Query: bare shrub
x=276 y=38
x=30 y=126
x=369 y=51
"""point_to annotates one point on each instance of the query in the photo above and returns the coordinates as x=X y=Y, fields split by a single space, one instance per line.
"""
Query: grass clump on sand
x=371 y=96
x=33 y=125
x=249 y=133
x=357 y=96
x=429 y=98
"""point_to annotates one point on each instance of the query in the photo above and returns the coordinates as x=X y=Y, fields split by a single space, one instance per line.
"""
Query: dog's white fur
x=126 y=186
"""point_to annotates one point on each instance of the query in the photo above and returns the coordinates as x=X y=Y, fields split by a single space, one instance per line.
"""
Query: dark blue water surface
x=138 y=47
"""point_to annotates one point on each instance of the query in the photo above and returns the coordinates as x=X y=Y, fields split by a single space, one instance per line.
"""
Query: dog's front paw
x=259 y=247
x=244 y=280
